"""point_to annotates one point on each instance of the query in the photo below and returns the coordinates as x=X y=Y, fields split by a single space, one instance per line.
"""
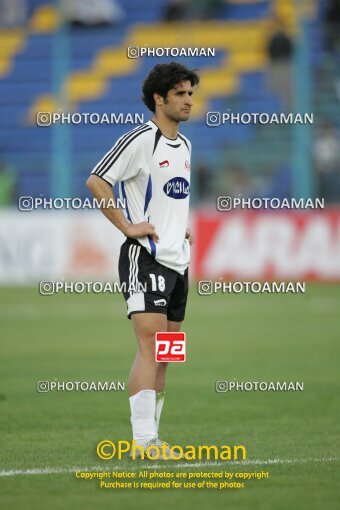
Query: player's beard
x=186 y=115
x=179 y=117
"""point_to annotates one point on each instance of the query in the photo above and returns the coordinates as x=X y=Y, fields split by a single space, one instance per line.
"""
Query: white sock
x=143 y=408
x=159 y=406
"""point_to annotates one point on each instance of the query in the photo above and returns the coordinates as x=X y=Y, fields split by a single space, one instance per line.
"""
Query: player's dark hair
x=164 y=77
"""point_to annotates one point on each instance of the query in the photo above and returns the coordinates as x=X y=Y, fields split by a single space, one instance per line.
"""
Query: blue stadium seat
x=25 y=139
x=267 y=104
x=37 y=46
x=253 y=84
x=21 y=93
x=34 y=184
x=33 y=70
x=28 y=148
x=246 y=11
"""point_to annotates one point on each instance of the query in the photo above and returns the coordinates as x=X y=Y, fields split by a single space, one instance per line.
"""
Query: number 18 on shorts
x=170 y=346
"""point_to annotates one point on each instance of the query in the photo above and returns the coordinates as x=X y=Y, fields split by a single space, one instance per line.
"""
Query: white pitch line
x=52 y=471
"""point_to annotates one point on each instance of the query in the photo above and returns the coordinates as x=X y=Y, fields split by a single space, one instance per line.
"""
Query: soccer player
x=152 y=166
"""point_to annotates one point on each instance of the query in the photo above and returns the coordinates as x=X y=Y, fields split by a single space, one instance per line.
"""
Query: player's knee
x=146 y=339
x=146 y=348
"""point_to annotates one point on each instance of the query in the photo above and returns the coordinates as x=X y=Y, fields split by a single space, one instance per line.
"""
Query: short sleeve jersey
x=154 y=177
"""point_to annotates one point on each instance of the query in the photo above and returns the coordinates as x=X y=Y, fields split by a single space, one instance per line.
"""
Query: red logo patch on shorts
x=170 y=346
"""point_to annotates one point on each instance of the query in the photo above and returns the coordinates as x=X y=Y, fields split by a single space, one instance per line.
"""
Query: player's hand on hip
x=141 y=230
x=189 y=236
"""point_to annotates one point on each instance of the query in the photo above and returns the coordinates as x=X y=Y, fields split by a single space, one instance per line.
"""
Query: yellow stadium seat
x=199 y=108
x=11 y=42
x=218 y=34
x=45 y=19
x=229 y=35
x=5 y=66
x=214 y=83
x=45 y=103
x=113 y=62
x=247 y=61
x=289 y=12
x=85 y=85
x=219 y=82
x=157 y=35
x=244 y=43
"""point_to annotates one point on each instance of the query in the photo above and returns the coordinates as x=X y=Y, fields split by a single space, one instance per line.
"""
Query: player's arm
x=189 y=236
x=102 y=191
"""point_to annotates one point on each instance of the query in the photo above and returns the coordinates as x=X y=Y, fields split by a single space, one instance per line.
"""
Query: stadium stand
x=100 y=78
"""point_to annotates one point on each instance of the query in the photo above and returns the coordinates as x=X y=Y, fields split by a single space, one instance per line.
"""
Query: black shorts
x=148 y=286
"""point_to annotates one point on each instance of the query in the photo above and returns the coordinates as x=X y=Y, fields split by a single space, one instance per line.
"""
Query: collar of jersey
x=172 y=139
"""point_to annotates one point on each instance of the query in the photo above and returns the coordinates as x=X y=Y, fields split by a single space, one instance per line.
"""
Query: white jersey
x=154 y=176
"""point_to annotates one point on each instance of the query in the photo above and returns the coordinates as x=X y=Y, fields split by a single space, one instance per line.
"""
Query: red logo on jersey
x=170 y=346
x=164 y=164
x=187 y=165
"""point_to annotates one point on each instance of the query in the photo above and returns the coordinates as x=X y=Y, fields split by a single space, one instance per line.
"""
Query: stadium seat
x=100 y=78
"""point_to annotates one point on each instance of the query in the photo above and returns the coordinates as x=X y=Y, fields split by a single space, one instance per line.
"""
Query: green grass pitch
x=243 y=337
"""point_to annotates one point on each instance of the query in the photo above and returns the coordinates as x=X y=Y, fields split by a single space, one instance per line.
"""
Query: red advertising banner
x=267 y=245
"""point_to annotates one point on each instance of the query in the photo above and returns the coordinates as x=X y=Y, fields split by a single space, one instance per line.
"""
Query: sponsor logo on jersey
x=160 y=302
x=187 y=165
x=178 y=187
x=164 y=164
